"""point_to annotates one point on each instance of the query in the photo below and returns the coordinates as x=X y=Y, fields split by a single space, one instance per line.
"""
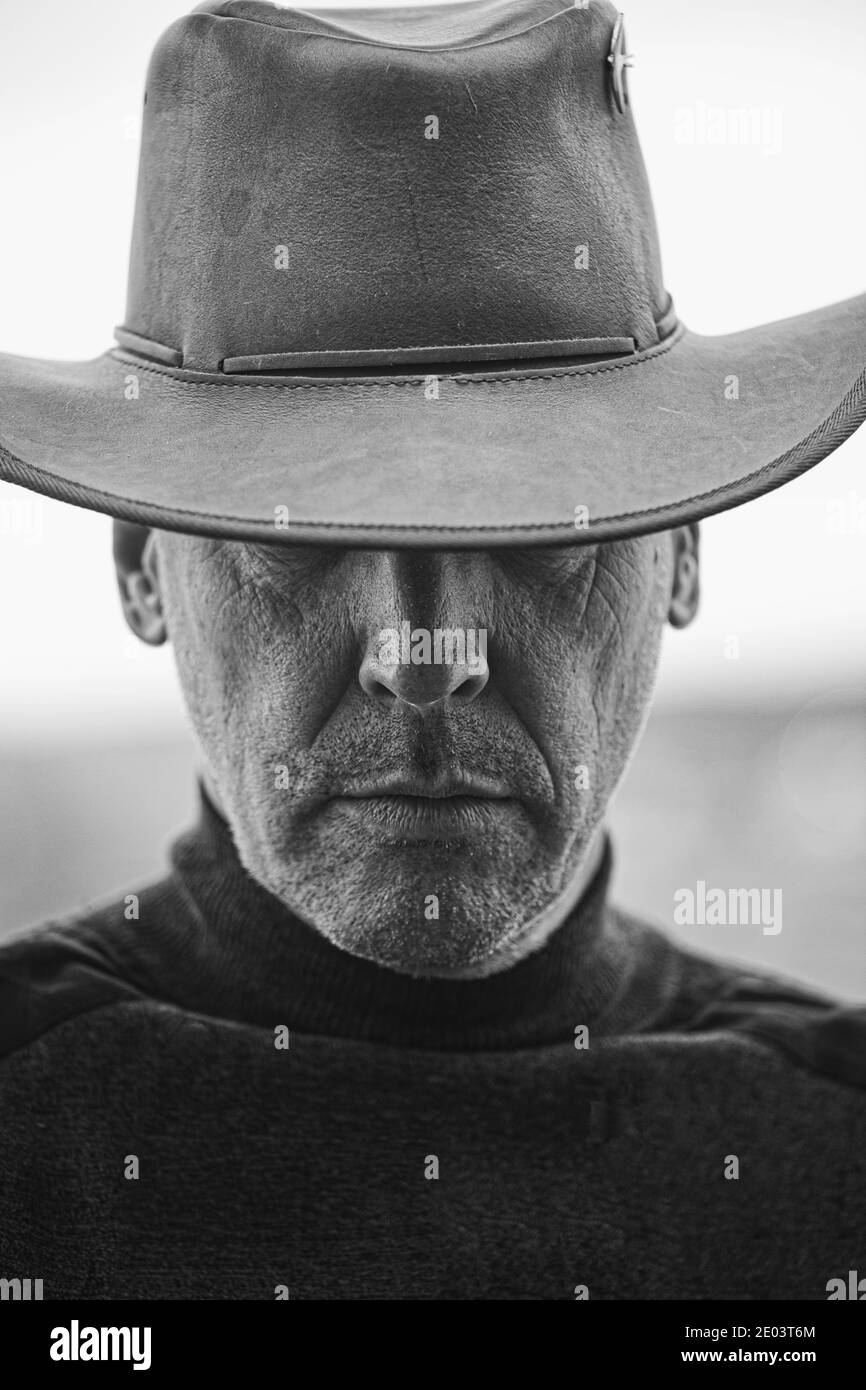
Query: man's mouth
x=447 y=808
x=446 y=786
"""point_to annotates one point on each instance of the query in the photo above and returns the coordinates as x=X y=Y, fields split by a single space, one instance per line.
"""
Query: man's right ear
x=138 y=581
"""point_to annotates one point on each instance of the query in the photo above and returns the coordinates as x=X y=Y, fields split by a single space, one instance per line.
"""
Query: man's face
x=418 y=813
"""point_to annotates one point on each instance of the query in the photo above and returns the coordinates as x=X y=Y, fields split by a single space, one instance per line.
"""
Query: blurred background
x=752 y=771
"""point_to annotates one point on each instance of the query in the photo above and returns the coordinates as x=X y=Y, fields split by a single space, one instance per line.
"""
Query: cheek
x=610 y=664
x=627 y=657
x=215 y=632
x=260 y=672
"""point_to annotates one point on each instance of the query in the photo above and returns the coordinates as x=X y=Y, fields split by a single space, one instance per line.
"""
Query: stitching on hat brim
x=838 y=426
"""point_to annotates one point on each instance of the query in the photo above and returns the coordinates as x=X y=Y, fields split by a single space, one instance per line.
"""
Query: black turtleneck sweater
x=212 y=1101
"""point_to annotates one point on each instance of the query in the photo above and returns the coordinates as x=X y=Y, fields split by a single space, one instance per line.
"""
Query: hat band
x=456 y=352
x=381 y=357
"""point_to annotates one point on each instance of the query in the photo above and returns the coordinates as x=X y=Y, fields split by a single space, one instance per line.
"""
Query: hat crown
x=433 y=181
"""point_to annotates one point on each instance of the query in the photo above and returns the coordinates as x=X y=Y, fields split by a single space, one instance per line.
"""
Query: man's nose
x=425 y=686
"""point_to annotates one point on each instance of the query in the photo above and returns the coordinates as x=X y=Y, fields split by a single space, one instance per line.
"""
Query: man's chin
x=422 y=909
x=425 y=948
x=415 y=897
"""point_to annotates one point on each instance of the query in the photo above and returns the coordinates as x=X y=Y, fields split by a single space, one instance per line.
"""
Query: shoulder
x=807 y=1027
x=60 y=970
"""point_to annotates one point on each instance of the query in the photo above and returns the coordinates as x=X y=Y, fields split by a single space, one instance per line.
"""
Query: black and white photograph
x=432 y=669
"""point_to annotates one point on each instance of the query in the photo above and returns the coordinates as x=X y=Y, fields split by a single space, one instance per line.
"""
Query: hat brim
x=689 y=428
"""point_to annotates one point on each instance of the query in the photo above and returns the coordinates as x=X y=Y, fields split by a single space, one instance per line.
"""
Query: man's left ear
x=686 y=587
x=138 y=582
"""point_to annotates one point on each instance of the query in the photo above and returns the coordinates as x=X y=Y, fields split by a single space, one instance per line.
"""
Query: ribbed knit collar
x=228 y=948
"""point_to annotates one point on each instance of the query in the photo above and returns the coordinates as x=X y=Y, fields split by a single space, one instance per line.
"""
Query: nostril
x=424 y=686
x=375 y=683
x=468 y=689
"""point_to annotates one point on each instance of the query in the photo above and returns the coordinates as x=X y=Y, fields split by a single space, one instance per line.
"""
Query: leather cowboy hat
x=395 y=280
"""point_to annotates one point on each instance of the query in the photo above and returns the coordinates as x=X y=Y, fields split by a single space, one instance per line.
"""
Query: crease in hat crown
x=385 y=187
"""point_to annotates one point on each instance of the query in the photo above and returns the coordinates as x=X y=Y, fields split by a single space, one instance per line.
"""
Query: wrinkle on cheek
x=565 y=600
x=294 y=653
x=625 y=589
x=542 y=660
x=213 y=620
x=546 y=631
x=623 y=612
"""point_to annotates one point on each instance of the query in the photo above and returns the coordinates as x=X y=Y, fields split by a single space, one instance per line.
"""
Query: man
x=407 y=452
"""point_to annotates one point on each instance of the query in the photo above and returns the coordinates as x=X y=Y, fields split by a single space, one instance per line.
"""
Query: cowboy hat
x=395 y=280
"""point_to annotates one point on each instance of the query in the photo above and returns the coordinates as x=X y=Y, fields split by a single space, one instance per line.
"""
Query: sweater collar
x=234 y=951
